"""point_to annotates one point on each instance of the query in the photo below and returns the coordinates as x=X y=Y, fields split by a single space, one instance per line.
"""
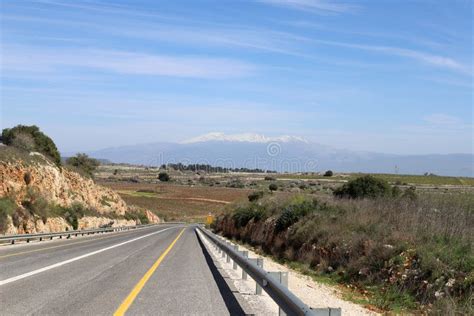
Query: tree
x=30 y=138
x=273 y=187
x=84 y=164
x=164 y=177
x=328 y=173
x=364 y=187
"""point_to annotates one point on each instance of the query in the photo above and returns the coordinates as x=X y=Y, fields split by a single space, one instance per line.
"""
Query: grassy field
x=392 y=178
x=177 y=202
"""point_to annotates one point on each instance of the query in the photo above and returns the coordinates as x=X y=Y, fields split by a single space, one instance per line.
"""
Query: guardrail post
x=245 y=253
x=228 y=257
x=234 y=266
x=282 y=277
x=259 y=263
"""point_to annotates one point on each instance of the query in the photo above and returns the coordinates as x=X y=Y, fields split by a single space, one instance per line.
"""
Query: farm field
x=391 y=178
x=177 y=202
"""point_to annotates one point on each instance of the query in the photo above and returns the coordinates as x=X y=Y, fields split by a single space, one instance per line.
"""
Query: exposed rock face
x=152 y=217
x=36 y=225
x=58 y=186
x=89 y=222
x=64 y=188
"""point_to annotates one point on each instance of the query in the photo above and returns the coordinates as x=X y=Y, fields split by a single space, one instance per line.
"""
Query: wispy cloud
x=427 y=58
x=34 y=59
x=315 y=6
x=442 y=119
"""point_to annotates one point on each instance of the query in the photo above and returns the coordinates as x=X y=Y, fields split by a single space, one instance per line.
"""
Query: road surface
x=160 y=270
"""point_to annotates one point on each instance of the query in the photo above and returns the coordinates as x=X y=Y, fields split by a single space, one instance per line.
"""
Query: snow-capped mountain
x=245 y=137
x=283 y=153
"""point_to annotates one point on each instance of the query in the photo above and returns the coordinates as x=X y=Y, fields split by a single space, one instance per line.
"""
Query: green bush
x=255 y=196
x=73 y=213
x=396 y=192
x=364 y=187
x=137 y=216
x=328 y=173
x=7 y=207
x=244 y=214
x=36 y=204
x=30 y=138
x=163 y=177
x=273 y=187
x=299 y=209
x=84 y=164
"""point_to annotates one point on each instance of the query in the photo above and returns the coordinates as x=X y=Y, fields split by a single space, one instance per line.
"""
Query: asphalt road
x=161 y=270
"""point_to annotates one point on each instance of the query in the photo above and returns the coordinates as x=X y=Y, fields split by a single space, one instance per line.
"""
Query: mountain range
x=283 y=154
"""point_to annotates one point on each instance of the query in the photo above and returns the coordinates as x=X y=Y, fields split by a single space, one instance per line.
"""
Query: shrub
x=73 y=213
x=298 y=209
x=273 y=187
x=164 y=177
x=269 y=178
x=328 y=173
x=364 y=187
x=396 y=192
x=36 y=204
x=244 y=214
x=30 y=138
x=138 y=216
x=7 y=207
x=255 y=196
x=235 y=183
x=84 y=164
x=410 y=193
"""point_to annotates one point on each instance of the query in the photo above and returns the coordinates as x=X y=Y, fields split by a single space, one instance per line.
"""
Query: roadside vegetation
x=83 y=164
x=31 y=139
x=406 y=251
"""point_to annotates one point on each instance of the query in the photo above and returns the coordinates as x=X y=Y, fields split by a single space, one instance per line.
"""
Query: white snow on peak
x=245 y=137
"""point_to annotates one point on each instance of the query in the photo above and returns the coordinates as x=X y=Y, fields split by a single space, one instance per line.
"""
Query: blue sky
x=386 y=76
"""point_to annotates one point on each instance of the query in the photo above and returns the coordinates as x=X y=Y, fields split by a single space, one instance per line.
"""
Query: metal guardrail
x=284 y=298
x=70 y=233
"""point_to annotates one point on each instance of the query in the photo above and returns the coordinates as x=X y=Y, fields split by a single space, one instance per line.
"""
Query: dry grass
x=407 y=253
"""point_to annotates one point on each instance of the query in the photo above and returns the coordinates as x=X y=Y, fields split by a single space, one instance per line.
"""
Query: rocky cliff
x=64 y=188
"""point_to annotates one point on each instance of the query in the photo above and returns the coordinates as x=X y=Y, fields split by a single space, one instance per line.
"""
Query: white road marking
x=59 y=264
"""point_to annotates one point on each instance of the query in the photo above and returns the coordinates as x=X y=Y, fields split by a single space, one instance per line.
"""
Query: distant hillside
x=284 y=154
